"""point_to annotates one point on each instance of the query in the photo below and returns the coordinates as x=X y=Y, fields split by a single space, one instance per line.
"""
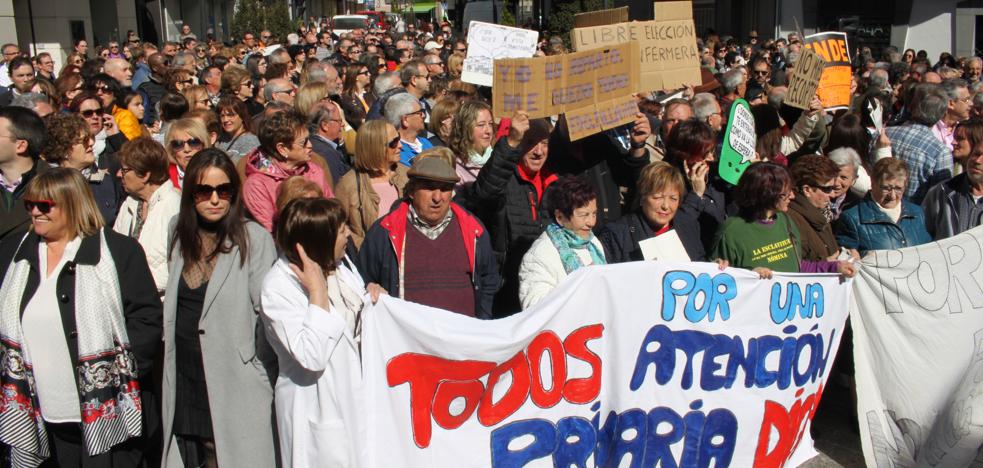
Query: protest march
x=627 y=241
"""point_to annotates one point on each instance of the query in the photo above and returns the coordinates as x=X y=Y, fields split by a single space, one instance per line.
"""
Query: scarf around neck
x=567 y=243
x=479 y=159
x=105 y=372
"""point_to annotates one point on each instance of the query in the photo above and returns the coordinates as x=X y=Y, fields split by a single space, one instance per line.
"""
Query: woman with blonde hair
x=471 y=138
x=442 y=120
x=78 y=304
x=455 y=65
x=197 y=97
x=296 y=187
x=377 y=180
x=184 y=139
x=310 y=94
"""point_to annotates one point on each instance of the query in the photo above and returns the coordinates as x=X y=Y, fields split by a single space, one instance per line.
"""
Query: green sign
x=737 y=152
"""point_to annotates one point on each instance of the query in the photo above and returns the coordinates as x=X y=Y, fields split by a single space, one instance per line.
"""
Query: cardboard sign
x=677 y=364
x=737 y=152
x=834 y=86
x=600 y=18
x=487 y=42
x=596 y=118
x=805 y=80
x=667 y=45
x=595 y=82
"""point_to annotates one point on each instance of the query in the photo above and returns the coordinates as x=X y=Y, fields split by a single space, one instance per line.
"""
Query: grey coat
x=238 y=360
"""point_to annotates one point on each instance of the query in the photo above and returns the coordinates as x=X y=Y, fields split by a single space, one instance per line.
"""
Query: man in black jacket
x=153 y=89
x=21 y=139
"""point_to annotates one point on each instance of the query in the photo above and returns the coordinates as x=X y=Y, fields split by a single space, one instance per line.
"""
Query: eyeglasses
x=420 y=112
x=193 y=143
x=91 y=113
x=394 y=143
x=123 y=170
x=301 y=143
x=363 y=72
x=761 y=72
x=44 y=206
x=461 y=50
x=187 y=81
x=888 y=188
x=290 y=91
x=827 y=189
x=203 y=192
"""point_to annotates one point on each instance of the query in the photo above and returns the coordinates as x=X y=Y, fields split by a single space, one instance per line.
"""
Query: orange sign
x=834 y=86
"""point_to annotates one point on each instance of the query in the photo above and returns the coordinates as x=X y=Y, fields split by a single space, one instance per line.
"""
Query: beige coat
x=361 y=202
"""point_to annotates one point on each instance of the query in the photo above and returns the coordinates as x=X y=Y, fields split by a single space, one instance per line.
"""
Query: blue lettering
x=716 y=292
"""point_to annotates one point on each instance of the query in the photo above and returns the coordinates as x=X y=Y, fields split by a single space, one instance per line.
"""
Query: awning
x=423 y=7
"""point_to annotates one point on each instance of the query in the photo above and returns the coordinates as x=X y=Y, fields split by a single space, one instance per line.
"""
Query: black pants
x=68 y=450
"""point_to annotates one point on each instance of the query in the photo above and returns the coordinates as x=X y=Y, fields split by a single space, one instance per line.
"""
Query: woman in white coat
x=312 y=301
x=567 y=244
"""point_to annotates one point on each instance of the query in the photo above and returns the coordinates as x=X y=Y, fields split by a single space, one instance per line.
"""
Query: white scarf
x=106 y=369
x=100 y=144
x=479 y=160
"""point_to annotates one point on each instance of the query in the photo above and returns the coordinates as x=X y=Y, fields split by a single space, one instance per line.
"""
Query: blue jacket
x=865 y=227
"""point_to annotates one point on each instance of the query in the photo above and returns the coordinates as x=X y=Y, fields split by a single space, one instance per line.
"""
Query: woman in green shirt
x=761 y=237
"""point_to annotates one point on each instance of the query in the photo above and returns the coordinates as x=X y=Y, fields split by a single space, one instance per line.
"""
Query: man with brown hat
x=430 y=250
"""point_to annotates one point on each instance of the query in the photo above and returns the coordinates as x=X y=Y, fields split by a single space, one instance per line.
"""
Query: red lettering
x=547 y=341
x=583 y=391
x=447 y=392
x=424 y=373
x=790 y=425
x=490 y=413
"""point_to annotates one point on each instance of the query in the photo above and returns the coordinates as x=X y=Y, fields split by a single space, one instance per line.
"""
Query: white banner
x=487 y=42
x=640 y=364
x=917 y=317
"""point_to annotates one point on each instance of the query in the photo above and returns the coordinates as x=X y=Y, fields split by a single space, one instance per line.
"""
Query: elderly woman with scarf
x=568 y=243
x=77 y=303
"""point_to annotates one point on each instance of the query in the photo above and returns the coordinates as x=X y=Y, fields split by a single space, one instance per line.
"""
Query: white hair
x=705 y=105
x=843 y=156
x=398 y=106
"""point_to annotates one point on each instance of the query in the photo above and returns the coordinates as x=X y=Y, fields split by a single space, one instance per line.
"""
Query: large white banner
x=639 y=364
x=918 y=334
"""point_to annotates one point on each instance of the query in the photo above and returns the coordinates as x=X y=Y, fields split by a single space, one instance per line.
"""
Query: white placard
x=665 y=247
x=487 y=42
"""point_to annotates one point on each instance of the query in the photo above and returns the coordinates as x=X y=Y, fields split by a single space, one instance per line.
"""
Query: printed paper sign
x=737 y=152
x=593 y=88
x=487 y=42
x=917 y=317
x=805 y=80
x=601 y=17
x=834 y=86
x=665 y=247
x=668 y=54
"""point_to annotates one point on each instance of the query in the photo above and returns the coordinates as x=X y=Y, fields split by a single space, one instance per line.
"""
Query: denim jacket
x=865 y=227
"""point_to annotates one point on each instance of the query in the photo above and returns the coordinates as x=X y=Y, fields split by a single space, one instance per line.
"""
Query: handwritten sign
x=593 y=87
x=660 y=363
x=737 y=152
x=805 y=79
x=601 y=17
x=487 y=42
x=667 y=45
x=834 y=86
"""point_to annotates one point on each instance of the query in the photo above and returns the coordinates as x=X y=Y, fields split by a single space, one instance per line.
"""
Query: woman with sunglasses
x=355 y=99
x=761 y=237
x=284 y=151
x=184 y=139
x=77 y=304
x=68 y=143
x=814 y=179
x=102 y=127
x=218 y=396
x=377 y=180
x=109 y=90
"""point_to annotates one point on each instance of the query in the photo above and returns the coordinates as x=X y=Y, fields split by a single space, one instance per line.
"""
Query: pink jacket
x=264 y=176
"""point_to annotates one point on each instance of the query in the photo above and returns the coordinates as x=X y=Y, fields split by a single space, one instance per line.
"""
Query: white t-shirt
x=54 y=371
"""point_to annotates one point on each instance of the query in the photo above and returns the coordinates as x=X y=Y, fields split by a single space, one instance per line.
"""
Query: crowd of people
x=189 y=231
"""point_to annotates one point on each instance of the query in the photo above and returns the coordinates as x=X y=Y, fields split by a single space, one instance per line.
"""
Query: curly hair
x=569 y=193
x=813 y=170
x=462 y=131
x=64 y=130
x=281 y=127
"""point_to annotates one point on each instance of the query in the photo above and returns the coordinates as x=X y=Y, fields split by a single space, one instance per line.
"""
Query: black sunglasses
x=44 y=206
x=203 y=192
x=193 y=143
x=394 y=143
x=827 y=189
x=91 y=112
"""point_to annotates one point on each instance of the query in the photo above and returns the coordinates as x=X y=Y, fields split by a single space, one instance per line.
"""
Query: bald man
x=119 y=69
x=931 y=77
